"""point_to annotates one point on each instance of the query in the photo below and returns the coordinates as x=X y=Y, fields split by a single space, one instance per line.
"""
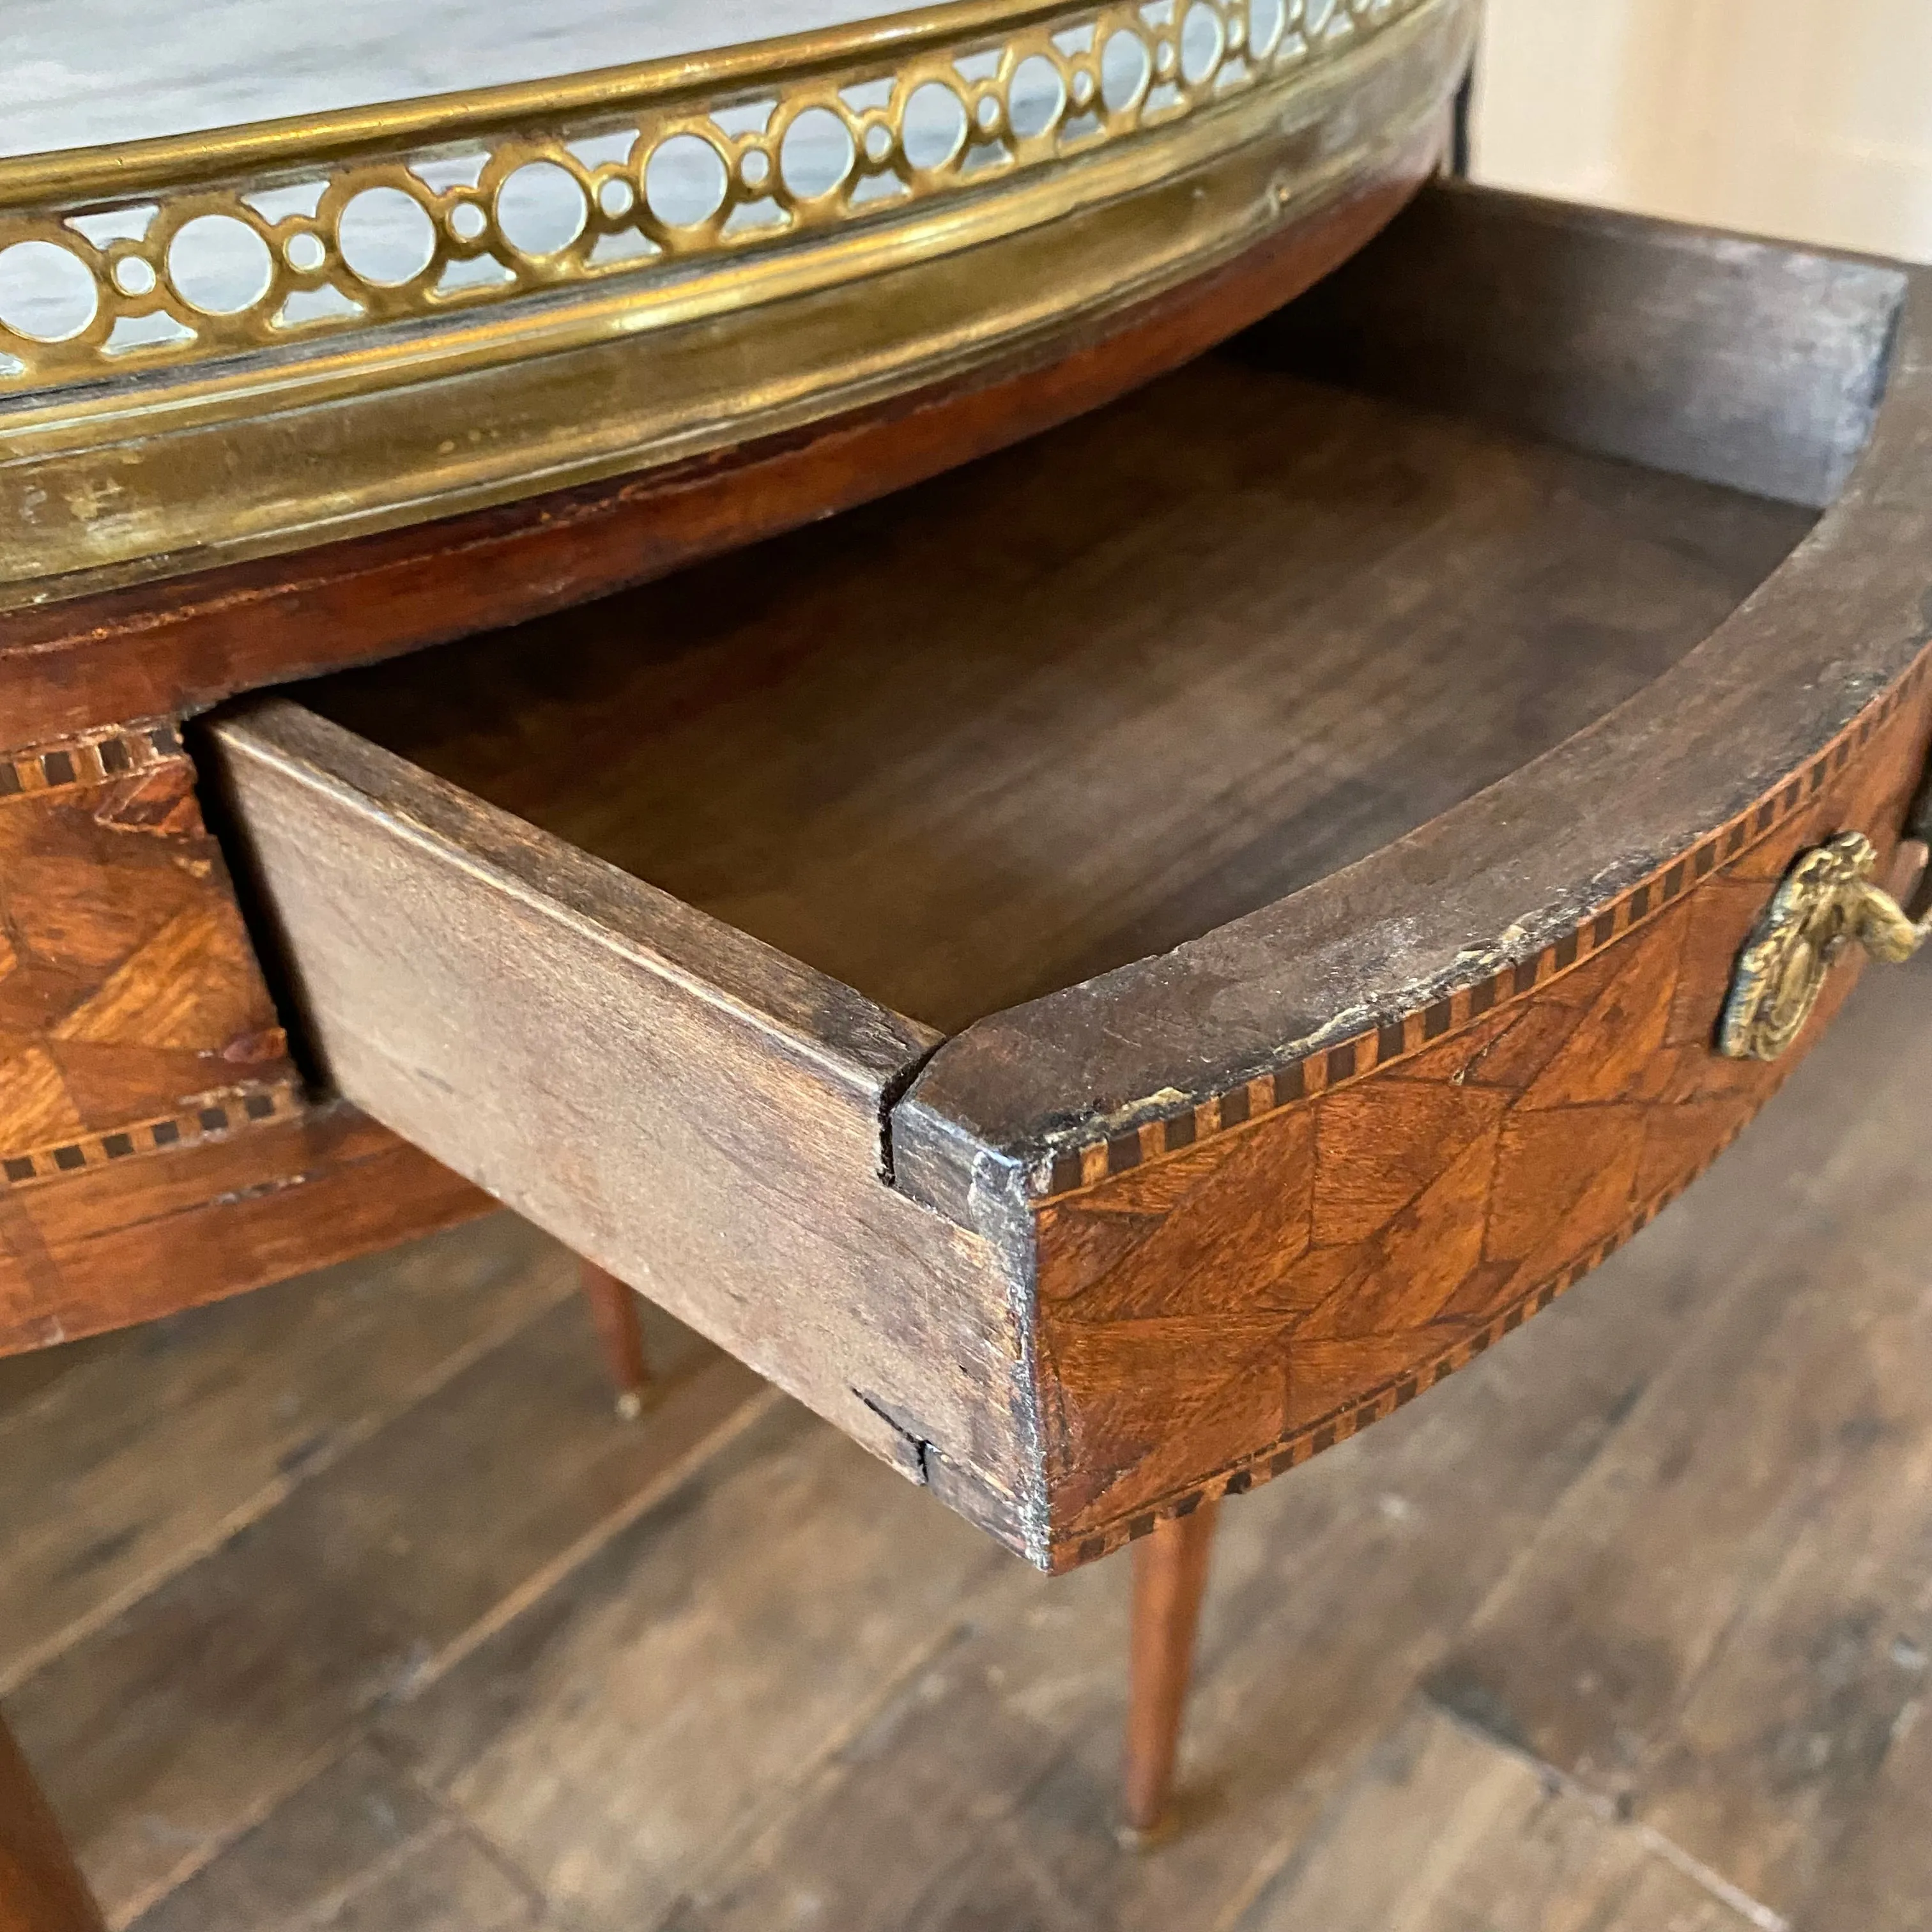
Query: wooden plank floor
x=351 y=1605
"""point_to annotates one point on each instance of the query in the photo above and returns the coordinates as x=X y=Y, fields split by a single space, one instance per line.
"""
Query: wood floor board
x=992 y=1774
x=164 y=1735
x=25 y=1379
x=1879 y=1870
x=1726 y=1626
x=450 y=1884
x=658 y=1706
x=1798 y=1725
x=361 y=1845
x=1443 y=1831
x=164 y=1440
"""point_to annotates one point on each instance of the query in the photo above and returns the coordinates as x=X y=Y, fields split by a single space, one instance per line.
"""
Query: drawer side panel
x=689 y=1110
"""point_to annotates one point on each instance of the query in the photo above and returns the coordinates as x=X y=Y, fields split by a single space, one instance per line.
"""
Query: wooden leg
x=1170 y=1569
x=40 y=1889
x=613 y=1307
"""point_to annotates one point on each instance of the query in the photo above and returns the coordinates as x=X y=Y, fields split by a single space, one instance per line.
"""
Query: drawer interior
x=654 y=919
x=1093 y=696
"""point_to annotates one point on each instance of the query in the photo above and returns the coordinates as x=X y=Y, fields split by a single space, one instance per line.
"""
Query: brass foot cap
x=1145 y=1838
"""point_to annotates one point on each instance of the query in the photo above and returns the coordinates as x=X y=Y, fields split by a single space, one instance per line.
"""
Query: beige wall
x=1811 y=118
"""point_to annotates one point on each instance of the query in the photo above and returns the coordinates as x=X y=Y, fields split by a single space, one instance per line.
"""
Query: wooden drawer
x=1106 y=972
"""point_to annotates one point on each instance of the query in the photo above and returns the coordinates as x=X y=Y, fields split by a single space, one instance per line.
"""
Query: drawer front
x=1291 y=1259
x=130 y=1002
x=1281 y=1180
x=1128 y=1323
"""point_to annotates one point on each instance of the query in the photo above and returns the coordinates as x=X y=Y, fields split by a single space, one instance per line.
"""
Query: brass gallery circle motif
x=271 y=338
x=426 y=208
x=1825 y=903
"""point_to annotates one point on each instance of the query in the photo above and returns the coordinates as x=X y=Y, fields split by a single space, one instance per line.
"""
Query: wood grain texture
x=1455 y=1194
x=144 y=1076
x=1079 y=703
x=740 y=1640
x=1444 y=1829
x=177 y=647
x=1750 y=1677
x=128 y=1460
x=973 y=1779
x=783 y=742
x=1265 y=1282
x=130 y=999
x=1499 y=877
x=1406 y=1040
x=683 y=1105
x=799 y=1693
x=1170 y=1573
x=372 y=1852
x=1752 y=364
x=164 y=1734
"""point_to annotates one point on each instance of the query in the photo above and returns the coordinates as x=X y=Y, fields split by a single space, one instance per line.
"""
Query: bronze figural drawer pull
x=1826 y=903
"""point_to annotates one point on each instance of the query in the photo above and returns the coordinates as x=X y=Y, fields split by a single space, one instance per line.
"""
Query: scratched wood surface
x=1627 y=1627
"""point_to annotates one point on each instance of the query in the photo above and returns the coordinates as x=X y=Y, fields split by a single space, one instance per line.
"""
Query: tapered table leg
x=40 y=1889
x=613 y=1308
x=1170 y=1569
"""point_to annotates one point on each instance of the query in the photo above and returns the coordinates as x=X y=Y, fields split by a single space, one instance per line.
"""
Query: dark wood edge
x=178 y=647
x=145 y=1238
x=814 y=1019
x=1504 y=885
x=1078 y=1169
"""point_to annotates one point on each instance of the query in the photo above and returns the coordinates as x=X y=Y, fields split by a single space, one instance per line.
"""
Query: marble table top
x=81 y=73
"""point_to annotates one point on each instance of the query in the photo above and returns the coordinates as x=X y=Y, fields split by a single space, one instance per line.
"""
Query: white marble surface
x=81 y=73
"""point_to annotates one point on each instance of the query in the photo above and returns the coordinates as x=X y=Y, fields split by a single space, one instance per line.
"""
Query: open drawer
x=1108 y=971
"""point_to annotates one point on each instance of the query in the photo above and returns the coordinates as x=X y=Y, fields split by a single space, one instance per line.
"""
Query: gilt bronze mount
x=1827 y=903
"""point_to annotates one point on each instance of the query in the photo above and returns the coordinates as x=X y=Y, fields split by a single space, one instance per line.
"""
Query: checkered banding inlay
x=87 y=760
x=1278 y=1458
x=1087 y=1163
x=205 y=1116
